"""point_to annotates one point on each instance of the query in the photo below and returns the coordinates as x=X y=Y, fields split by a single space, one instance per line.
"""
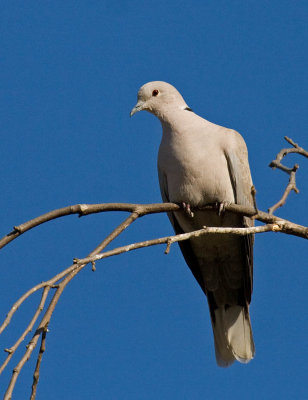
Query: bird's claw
x=222 y=207
x=187 y=210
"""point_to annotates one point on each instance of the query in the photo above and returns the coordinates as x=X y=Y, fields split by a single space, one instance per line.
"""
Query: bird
x=202 y=163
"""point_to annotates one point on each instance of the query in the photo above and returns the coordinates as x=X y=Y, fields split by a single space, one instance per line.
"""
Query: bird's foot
x=187 y=210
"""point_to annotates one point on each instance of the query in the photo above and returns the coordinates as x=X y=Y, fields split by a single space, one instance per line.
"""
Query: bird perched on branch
x=201 y=163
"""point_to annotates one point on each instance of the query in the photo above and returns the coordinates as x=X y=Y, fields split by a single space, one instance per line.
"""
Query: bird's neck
x=173 y=118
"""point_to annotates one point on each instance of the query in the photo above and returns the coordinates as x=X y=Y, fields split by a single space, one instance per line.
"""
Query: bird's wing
x=237 y=158
x=185 y=245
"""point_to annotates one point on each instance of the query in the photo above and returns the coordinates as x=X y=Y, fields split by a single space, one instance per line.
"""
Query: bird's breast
x=195 y=173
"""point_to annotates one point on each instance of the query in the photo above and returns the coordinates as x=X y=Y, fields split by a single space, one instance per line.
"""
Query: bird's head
x=158 y=97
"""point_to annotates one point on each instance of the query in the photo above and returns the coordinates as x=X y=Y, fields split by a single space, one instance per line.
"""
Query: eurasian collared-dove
x=201 y=163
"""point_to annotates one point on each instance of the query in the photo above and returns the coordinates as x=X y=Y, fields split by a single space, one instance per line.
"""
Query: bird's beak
x=138 y=107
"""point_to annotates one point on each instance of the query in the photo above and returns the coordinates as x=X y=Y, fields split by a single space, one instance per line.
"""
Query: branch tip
x=289 y=140
x=169 y=242
x=253 y=193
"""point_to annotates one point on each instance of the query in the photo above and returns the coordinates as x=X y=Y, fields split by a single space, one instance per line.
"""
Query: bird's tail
x=232 y=335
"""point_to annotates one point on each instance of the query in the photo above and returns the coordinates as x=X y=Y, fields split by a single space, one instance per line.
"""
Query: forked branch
x=290 y=171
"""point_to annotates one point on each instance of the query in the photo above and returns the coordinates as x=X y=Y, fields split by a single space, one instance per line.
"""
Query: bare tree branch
x=274 y=224
x=139 y=209
x=62 y=279
x=73 y=270
x=290 y=171
x=12 y=349
x=85 y=209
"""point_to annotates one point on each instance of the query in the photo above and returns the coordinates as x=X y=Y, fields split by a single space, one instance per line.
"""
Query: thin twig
x=13 y=348
x=68 y=270
x=290 y=186
x=290 y=171
x=31 y=346
x=276 y=227
x=295 y=149
x=74 y=270
x=36 y=374
x=50 y=283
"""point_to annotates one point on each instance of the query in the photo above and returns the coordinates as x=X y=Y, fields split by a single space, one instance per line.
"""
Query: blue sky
x=138 y=328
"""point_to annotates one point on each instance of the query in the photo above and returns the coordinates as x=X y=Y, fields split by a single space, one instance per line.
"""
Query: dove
x=202 y=163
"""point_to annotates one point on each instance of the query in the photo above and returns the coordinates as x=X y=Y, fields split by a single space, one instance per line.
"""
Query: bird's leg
x=187 y=210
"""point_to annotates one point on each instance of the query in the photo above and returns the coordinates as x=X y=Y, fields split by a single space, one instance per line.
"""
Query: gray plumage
x=201 y=163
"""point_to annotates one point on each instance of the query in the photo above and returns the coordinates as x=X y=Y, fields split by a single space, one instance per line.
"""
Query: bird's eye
x=155 y=92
